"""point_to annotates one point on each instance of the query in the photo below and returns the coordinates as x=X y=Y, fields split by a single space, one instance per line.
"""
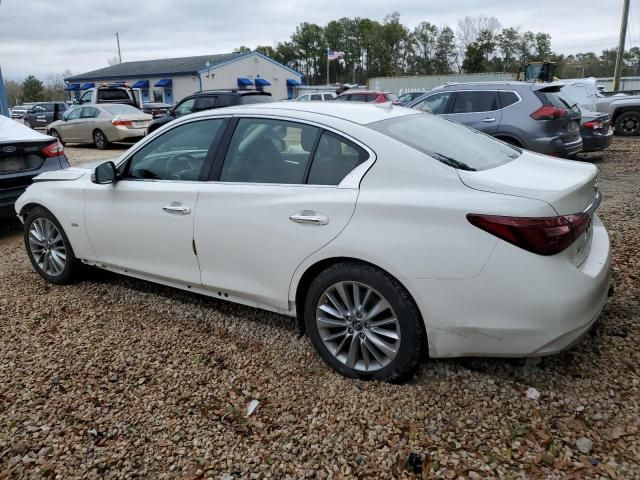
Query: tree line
x=389 y=48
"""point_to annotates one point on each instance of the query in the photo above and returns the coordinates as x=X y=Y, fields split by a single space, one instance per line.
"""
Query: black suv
x=42 y=114
x=208 y=99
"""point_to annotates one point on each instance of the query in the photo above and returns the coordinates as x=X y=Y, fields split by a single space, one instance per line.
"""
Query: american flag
x=332 y=54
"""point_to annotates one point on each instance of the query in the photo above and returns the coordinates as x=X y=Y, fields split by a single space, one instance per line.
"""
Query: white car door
x=144 y=222
x=273 y=200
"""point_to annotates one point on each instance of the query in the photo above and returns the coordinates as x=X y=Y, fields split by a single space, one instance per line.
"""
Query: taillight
x=548 y=112
x=117 y=122
x=53 y=150
x=593 y=125
x=543 y=236
x=381 y=99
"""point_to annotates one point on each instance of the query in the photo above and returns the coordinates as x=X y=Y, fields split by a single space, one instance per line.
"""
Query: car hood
x=568 y=186
x=71 y=173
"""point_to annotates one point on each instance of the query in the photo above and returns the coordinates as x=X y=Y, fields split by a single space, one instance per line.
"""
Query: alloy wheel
x=358 y=326
x=631 y=125
x=47 y=246
x=98 y=138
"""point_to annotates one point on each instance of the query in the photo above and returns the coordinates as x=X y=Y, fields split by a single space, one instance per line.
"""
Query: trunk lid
x=568 y=186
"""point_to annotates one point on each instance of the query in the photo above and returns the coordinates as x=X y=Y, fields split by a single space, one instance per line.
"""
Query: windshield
x=448 y=142
x=121 y=109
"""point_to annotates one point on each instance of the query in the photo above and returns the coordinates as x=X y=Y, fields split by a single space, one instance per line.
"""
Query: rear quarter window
x=508 y=98
x=450 y=143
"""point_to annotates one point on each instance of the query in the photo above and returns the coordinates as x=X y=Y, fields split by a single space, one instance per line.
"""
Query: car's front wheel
x=100 y=140
x=49 y=248
x=364 y=323
x=628 y=124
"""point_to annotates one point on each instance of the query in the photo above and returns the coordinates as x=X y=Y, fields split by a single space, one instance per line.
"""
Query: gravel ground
x=119 y=378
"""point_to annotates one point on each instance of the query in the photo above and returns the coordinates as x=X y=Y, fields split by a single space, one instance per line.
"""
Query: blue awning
x=141 y=84
x=292 y=83
x=72 y=86
x=261 y=82
x=244 y=82
x=87 y=86
x=165 y=82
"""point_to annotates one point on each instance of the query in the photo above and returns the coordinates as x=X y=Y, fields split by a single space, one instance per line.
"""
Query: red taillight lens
x=543 y=236
x=381 y=99
x=53 y=150
x=116 y=122
x=593 y=125
x=548 y=112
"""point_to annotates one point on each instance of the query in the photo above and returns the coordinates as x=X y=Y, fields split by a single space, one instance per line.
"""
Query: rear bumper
x=122 y=134
x=556 y=146
x=594 y=143
x=520 y=305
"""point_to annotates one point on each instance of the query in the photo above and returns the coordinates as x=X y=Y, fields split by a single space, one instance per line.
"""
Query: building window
x=145 y=94
x=157 y=95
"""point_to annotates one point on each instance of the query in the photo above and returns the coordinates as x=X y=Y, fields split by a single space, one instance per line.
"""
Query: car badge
x=9 y=149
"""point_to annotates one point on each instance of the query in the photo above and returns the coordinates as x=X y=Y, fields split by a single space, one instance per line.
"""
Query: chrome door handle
x=488 y=120
x=177 y=209
x=310 y=218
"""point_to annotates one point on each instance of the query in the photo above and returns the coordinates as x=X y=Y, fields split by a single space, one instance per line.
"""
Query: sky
x=43 y=37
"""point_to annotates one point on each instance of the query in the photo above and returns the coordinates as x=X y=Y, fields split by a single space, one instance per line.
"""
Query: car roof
x=491 y=83
x=232 y=90
x=351 y=92
x=360 y=113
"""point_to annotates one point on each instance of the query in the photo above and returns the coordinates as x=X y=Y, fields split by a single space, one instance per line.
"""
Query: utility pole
x=620 y=56
x=4 y=107
x=118 y=41
x=328 y=65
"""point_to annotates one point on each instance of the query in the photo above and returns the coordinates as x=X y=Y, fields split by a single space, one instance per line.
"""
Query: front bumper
x=520 y=305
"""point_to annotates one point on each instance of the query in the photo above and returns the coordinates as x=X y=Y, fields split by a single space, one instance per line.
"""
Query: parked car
x=596 y=131
x=19 y=110
x=316 y=96
x=120 y=93
x=459 y=245
x=42 y=114
x=155 y=109
x=209 y=99
x=370 y=96
x=407 y=98
x=528 y=115
x=100 y=124
x=24 y=153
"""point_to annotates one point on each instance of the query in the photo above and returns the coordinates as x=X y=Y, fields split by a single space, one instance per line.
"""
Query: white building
x=169 y=80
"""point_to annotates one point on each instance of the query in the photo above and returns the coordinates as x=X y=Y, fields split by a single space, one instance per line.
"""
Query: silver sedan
x=100 y=125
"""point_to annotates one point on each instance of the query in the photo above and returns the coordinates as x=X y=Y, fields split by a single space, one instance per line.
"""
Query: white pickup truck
x=112 y=93
x=622 y=107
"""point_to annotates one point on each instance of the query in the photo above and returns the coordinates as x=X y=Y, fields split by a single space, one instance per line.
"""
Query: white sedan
x=387 y=232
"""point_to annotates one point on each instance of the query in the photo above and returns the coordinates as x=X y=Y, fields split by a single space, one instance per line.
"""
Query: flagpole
x=327 y=65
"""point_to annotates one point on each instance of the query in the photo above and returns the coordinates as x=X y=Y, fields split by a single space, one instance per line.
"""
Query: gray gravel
x=119 y=378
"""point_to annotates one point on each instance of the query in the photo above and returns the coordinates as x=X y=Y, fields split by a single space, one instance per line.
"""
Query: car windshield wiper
x=451 y=162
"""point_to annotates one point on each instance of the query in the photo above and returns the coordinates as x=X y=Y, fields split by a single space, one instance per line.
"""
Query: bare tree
x=469 y=29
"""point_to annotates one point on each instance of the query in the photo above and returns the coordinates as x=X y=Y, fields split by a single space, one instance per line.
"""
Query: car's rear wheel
x=54 y=133
x=364 y=323
x=100 y=140
x=48 y=248
x=628 y=124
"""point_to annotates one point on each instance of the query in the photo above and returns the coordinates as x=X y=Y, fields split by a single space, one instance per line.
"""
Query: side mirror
x=104 y=174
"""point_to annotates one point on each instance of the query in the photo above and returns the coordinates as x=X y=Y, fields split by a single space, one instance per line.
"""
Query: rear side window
x=328 y=96
x=121 y=109
x=450 y=143
x=469 y=102
x=508 y=98
x=89 y=112
x=335 y=157
x=316 y=96
x=205 y=103
x=249 y=99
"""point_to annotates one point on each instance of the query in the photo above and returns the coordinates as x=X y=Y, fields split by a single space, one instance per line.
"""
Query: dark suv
x=208 y=99
x=42 y=114
x=528 y=115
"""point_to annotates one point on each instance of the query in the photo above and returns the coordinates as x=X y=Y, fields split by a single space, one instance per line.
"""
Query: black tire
x=72 y=266
x=628 y=124
x=100 y=140
x=412 y=333
x=54 y=133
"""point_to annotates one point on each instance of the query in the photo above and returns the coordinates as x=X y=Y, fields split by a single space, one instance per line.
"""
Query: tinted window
x=121 y=109
x=508 y=98
x=328 y=96
x=89 y=112
x=316 y=96
x=435 y=104
x=185 y=107
x=469 y=102
x=205 y=103
x=448 y=142
x=113 y=94
x=48 y=107
x=248 y=99
x=178 y=154
x=268 y=151
x=335 y=157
